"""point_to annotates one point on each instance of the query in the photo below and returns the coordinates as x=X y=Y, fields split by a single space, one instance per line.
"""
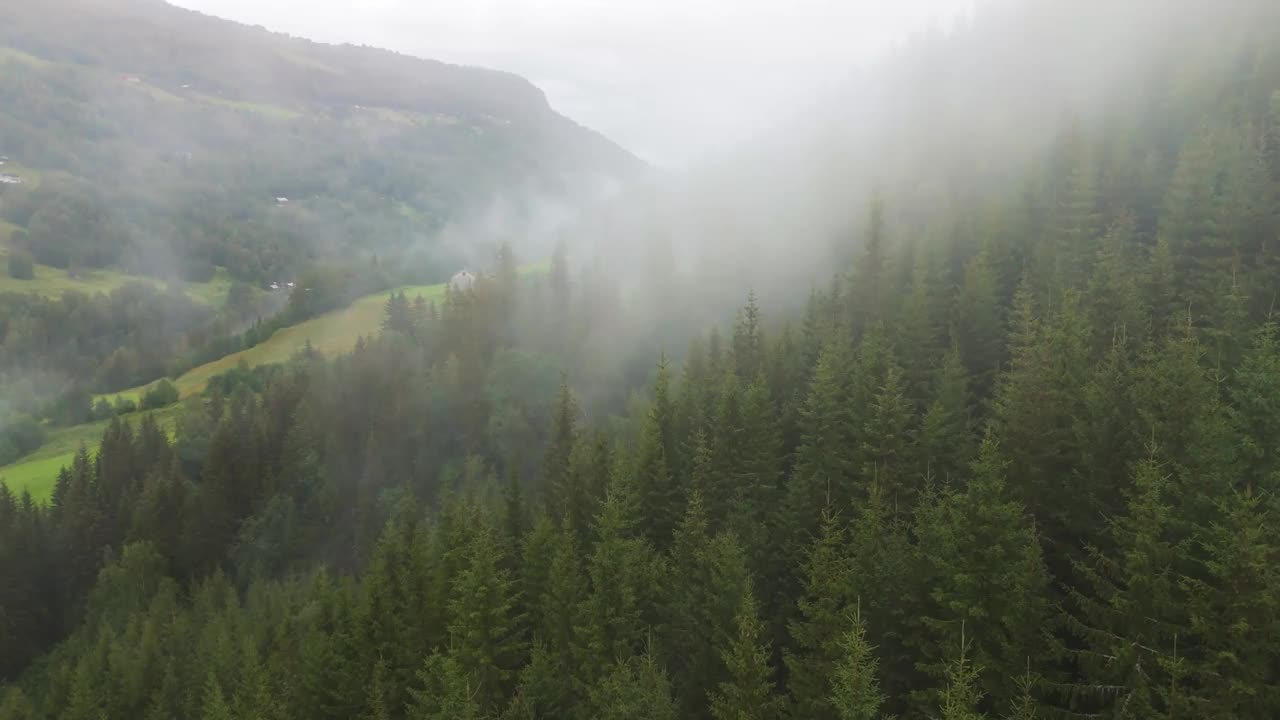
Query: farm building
x=10 y=179
x=463 y=281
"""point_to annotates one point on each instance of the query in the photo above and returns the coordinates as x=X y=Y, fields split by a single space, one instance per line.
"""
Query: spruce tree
x=826 y=457
x=855 y=690
x=978 y=323
x=655 y=474
x=624 y=573
x=979 y=558
x=748 y=691
x=445 y=692
x=821 y=623
x=214 y=704
x=1234 y=604
x=635 y=688
x=961 y=694
x=1130 y=607
x=486 y=643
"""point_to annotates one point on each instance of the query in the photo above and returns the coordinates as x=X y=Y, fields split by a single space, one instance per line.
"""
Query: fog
x=672 y=81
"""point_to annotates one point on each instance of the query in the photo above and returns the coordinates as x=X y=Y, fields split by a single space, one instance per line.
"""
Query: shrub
x=159 y=395
x=20 y=435
x=21 y=265
x=124 y=406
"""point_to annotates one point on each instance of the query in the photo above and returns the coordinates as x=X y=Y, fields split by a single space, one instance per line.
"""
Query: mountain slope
x=163 y=138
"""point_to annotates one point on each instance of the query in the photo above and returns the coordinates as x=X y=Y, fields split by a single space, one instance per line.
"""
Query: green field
x=333 y=333
x=38 y=472
x=53 y=282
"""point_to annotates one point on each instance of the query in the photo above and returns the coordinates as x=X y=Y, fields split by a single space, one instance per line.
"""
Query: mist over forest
x=336 y=383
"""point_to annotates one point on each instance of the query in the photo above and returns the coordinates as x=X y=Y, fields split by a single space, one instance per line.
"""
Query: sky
x=674 y=81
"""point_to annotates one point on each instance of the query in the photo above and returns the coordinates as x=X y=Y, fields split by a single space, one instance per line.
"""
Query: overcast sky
x=671 y=80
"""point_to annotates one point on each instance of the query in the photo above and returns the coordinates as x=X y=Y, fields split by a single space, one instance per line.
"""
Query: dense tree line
x=1022 y=465
x=111 y=341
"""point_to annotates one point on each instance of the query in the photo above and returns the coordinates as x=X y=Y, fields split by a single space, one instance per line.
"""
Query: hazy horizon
x=721 y=73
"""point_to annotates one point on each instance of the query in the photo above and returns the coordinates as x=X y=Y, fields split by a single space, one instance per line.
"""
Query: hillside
x=330 y=334
x=166 y=141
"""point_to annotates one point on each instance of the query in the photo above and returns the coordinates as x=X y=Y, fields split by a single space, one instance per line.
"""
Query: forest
x=1016 y=459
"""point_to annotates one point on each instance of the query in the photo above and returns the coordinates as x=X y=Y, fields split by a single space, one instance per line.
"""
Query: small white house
x=463 y=281
x=281 y=201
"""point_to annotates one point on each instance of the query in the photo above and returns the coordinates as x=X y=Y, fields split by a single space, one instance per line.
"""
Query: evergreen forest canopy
x=1019 y=460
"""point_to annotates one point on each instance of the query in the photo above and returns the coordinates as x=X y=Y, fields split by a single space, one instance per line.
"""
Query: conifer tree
x=1075 y=227
x=555 y=615
x=978 y=323
x=1130 y=606
x=708 y=578
x=826 y=458
x=748 y=341
x=748 y=691
x=214 y=704
x=855 y=690
x=946 y=437
x=445 y=692
x=869 y=281
x=1234 y=598
x=655 y=476
x=559 y=489
x=486 y=642
x=823 y=619
x=980 y=561
x=624 y=573
x=635 y=688
x=961 y=695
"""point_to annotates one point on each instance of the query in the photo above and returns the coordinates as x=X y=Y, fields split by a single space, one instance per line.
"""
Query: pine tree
x=624 y=573
x=961 y=695
x=825 y=460
x=868 y=286
x=748 y=692
x=397 y=315
x=823 y=620
x=1130 y=608
x=748 y=341
x=214 y=705
x=920 y=327
x=446 y=692
x=485 y=635
x=254 y=696
x=376 y=704
x=978 y=324
x=1255 y=410
x=559 y=490
x=1076 y=227
x=1234 y=600
x=855 y=690
x=881 y=577
x=884 y=451
x=635 y=688
x=554 y=617
x=708 y=579
x=946 y=437
x=980 y=560
x=655 y=476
